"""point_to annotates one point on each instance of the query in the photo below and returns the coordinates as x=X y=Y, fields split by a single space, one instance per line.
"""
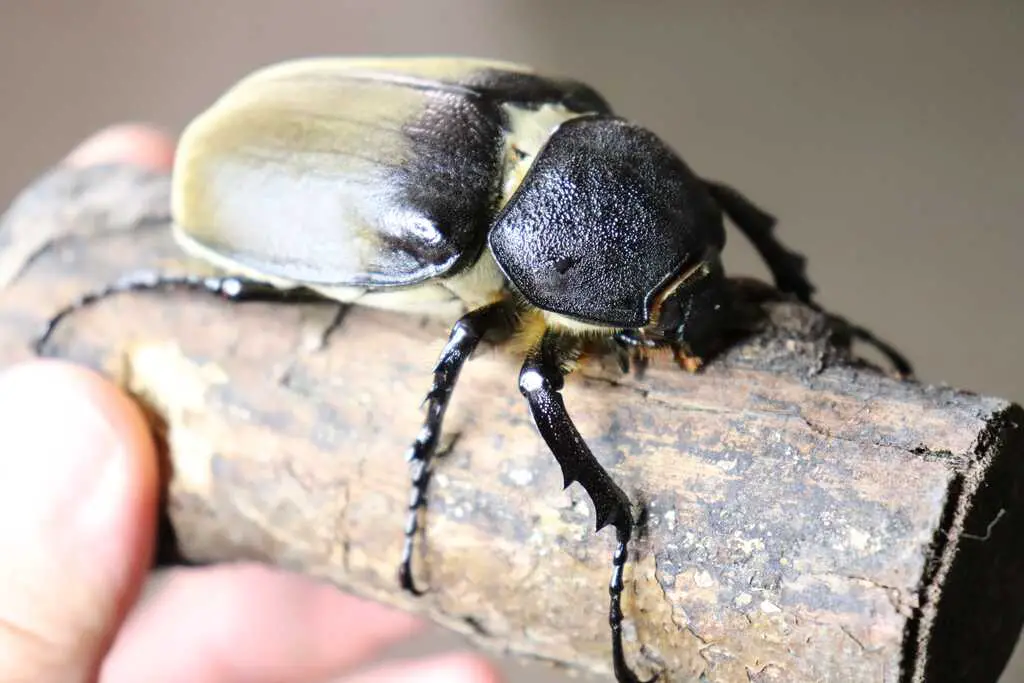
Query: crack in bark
x=919 y=450
x=893 y=593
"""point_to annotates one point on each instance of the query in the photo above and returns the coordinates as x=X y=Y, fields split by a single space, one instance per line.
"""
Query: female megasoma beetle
x=477 y=190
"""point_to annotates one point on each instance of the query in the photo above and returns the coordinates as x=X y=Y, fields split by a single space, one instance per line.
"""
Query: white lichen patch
x=748 y=546
x=703 y=579
x=859 y=540
x=520 y=476
x=670 y=520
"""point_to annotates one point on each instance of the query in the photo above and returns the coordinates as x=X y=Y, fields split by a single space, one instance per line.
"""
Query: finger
x=251 y=623
x=453 y=668
x=78 y=491
x=129 y=143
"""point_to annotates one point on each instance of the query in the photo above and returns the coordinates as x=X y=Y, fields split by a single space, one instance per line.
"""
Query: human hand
x=78 y=503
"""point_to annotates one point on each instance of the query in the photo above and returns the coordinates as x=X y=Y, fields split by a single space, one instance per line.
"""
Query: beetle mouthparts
x=693 y=307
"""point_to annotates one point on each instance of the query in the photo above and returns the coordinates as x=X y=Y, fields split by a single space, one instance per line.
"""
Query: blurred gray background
x=886 y=136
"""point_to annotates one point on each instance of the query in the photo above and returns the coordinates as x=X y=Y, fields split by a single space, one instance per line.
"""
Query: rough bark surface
x=808 y=518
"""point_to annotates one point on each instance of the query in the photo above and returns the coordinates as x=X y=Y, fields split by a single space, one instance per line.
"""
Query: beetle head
x=692 y=308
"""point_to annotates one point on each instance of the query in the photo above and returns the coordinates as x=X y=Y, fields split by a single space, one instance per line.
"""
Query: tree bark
x=808 y=518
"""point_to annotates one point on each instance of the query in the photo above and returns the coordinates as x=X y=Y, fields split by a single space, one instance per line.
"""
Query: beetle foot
x=412 y=527
x=626 y=675
x=406 y=580
x=686 y=359
x=623 y=674
x=417 y=502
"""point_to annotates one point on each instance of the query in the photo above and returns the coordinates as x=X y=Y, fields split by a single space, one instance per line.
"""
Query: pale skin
x=78 y=492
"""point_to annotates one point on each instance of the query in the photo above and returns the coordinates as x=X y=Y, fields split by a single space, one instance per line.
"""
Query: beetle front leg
x=229 y=287
x=789 y=269
x=627 y=341
x=540 y=381
x=462 y=341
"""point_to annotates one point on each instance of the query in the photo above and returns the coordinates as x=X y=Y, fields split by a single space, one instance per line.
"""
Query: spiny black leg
x=788 y=267
x=465 y=335
x=229 y=287
x=615 y=587
x=904 y=368
x=902 y=364
x=540 y=381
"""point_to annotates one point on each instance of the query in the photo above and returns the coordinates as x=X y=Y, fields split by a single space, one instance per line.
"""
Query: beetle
x=481 y=191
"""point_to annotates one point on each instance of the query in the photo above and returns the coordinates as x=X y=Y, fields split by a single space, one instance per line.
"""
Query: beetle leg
x=685 y=359
x=625 y=351
x=463 y=339
x=540 y=381
x=904 y=368
x=229 y=287
x=622 y=356
x=788 y=267
x=640 y=361
x=633 y=339
x=638 y=344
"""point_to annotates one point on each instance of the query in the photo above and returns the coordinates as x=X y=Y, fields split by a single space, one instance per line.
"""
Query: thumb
x=78 y=492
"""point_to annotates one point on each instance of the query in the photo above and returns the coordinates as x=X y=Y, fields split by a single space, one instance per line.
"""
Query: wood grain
x=808 y=518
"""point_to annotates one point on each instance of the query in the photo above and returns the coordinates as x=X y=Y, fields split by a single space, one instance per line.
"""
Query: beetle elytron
x=472 y=189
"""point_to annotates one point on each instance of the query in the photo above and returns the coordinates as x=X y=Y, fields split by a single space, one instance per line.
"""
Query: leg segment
x=632 y=342
x=904 y=368
x=787 y=267
x=228 y=287
x=465 y=335
x=540 y=381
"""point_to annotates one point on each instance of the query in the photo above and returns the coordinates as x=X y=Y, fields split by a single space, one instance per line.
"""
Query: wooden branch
x=808 y=518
